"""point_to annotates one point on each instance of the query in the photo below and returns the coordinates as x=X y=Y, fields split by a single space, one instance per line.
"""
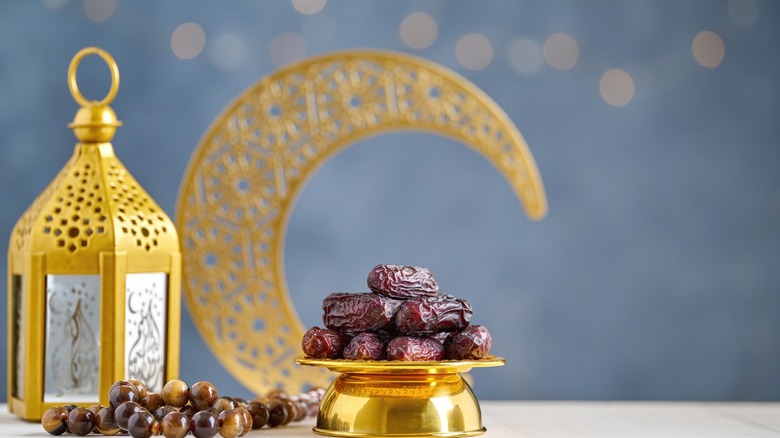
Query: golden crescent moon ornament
x=253 y=161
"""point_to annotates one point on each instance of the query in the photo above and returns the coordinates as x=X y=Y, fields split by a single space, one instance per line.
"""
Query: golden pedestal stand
x=397 y=399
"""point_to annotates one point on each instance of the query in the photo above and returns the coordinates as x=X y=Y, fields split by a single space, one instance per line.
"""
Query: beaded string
x=179 y=410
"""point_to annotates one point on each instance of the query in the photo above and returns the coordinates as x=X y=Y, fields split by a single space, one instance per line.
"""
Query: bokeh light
x=524 y=56
x=227 y=51
x=287 y=47
x=419 y=30
x=561 y=51
x=474 y=51
x=309 y=7
x=188 y=40
x=616 y=87
x=99 y=11
x=744 y=12
x=708 y=49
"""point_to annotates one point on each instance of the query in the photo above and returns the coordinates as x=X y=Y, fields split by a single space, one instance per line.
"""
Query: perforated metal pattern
x=92 y=197
x=79 y=211
x=137 y=216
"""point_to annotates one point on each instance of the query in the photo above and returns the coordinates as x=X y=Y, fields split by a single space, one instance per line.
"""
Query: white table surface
x=566 y=420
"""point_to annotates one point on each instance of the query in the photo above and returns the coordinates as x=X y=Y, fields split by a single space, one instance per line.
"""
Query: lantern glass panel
x=72 y=338
x=145 y=328
x=17 y=337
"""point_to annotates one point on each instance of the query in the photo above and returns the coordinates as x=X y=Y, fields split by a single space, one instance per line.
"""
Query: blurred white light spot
x=744 y=12
x=227 y=51
x=99 y=11
x=309 y=7
x=188 y=40
x=53 y=5
x=474 y=51
x=708 y=49
x=419 y=30
x=524 y=56
x=561 y=51
x=616 y=87
x=287 y=47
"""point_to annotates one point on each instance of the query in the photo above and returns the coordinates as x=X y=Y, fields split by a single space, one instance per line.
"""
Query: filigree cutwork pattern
x=24 y=226
x=250 y=166
x=74 y=209
x=136 y=215
x=79 y=211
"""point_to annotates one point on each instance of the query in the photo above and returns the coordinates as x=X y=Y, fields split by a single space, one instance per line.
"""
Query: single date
x=410 y=348
x=324 y=343
x=359 y=312
x=402 y=282
x=427 y=315
x=474 y=342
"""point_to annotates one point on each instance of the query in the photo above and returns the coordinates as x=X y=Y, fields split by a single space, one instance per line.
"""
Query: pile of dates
x=404 y=317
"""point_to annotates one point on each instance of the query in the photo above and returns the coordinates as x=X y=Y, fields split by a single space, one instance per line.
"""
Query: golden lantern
x=94 y=272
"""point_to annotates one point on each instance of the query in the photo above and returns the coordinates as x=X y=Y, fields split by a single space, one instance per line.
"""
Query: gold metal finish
x=92 y=219
x=393 y=399
x=248 y=169
x=73 y=82
x=95 y=121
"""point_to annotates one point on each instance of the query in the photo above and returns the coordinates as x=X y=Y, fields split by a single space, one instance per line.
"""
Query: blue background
x=655 y=274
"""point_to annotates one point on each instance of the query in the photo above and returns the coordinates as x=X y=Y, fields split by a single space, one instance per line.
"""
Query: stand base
x=319 y=431
x=399 y=405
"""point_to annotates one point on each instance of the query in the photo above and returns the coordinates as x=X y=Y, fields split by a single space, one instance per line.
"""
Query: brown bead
x=139 y=425
x=230 y=423
x=278 y=393
x=292 y=411
x=277 y=413
x=94 y=409
x=314 y=410
x=222 y=404
x=122 y=393
x=140 y=387
x=203 y=395
x=152 y=401
x=81 y=421
x=240 y=402
x=55 y=420
x=123 y=412
x=188 y=410
x=122 y=383
x=261 y=399
x=156 y=428
x=246 y=419
x=176 y=393
x=104 y=422
x=69 y=408
x=175 y=425
x=162 y=411
x=301 y=410
x=259 y=413
x=312 y=406
x=316 y=394
x=204 y=425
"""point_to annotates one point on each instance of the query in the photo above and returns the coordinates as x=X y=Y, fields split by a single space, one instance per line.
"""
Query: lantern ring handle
x=74 y=86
